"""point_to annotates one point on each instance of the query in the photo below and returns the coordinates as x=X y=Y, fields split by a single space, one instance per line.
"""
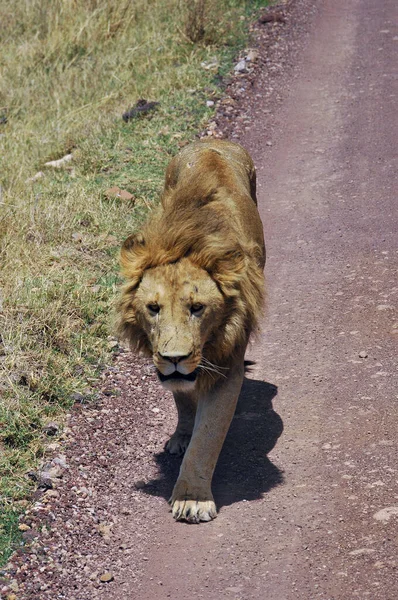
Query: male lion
x=194 y=294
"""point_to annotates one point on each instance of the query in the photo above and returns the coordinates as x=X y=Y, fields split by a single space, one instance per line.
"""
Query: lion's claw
x=194 y=511
x=178 y=443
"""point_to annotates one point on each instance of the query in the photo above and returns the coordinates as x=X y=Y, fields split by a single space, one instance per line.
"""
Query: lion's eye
x=197 y=308
x=153 y=308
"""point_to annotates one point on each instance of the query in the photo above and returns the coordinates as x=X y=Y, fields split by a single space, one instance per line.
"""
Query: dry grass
x=68 y=70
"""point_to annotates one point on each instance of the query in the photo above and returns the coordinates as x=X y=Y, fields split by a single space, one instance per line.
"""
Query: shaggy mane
x=199 y=226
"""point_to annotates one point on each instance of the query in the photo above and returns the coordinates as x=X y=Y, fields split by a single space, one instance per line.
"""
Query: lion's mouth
x=176 y=375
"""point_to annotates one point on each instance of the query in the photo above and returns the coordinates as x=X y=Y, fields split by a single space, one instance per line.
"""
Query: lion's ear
x=135 y=239
x=132 y=258
x=228 y=271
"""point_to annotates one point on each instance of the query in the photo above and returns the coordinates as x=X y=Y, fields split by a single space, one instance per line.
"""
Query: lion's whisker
x=206 y=361
x=209 y=370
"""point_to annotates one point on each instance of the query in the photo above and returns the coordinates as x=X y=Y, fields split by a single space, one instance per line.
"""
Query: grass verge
x=69 y=69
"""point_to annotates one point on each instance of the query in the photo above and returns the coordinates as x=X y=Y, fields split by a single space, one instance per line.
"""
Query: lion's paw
x=178 y=443
x=194 y=511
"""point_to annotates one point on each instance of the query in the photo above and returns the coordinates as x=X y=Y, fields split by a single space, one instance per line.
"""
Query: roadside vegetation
x=69 y=69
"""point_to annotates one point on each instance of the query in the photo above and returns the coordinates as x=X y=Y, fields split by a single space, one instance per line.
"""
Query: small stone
x=45 y=482
x=104 y=530
x=61 y=461
x=210 y=103
x=140 y=484
x=211 y=65
x=61 y=162
x=12 y=597
x=36 y=177
x=241 y=67
x=78 y=398
x=51 y=494
x=55 y=472
x=106 y=577
x=13 y=585
x=384 y=307
x=33 y=475
x=116 y=192
x=23 y=527
x=362 y=551
x=252 y=56
x=363 y=354
x=385 y=514
x=52 y=447
x=272 y=17
x=51 y=428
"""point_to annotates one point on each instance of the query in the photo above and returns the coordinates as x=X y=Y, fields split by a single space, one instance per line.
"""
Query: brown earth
x=310 y=513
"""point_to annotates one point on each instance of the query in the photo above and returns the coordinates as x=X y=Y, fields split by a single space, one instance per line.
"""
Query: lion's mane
x=192 y=222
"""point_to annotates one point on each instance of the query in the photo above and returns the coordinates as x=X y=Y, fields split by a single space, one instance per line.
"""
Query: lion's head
x=193 y=294
x=179 y=308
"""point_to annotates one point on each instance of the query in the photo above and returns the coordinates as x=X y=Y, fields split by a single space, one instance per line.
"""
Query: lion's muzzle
x=177 y=376
x=176 y=370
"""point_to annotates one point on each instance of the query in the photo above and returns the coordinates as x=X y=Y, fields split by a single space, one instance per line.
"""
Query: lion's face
x=179 y=306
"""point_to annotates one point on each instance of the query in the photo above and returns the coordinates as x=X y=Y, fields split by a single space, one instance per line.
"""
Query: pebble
x=116 y=192
x=13 y=585
x=362 y=551
x=77 y=396
x=57 y=164
x=241 y=67
x=112 y=344
x=384 y=307
x=54 y=472
x=363 y=354
x=252 y=56
x=61 y=461
x=210 y=103
x=104 y=529
x=51 y=428
x=45 y=482
x=106 y=577
x=38 y=175
x=52 y=447
x=385 y=514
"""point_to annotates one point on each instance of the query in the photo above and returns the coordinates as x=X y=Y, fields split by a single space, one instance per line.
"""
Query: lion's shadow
x=243 y=472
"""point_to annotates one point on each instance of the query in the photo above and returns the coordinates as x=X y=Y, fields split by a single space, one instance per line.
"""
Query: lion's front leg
x=192 y=499
x=186 y=409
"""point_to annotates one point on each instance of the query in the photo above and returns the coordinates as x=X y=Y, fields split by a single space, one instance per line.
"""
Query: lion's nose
x=174 y=357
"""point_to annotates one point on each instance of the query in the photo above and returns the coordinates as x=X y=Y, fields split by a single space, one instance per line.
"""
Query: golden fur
x=194 y=294
x=193 y=223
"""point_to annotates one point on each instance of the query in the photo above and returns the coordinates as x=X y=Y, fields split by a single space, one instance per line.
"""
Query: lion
x=193 y=295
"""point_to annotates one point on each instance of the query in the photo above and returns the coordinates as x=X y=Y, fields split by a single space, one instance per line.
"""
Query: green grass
x=68 y=70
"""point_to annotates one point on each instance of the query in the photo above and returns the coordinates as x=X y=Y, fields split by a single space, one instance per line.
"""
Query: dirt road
x=316 y=517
